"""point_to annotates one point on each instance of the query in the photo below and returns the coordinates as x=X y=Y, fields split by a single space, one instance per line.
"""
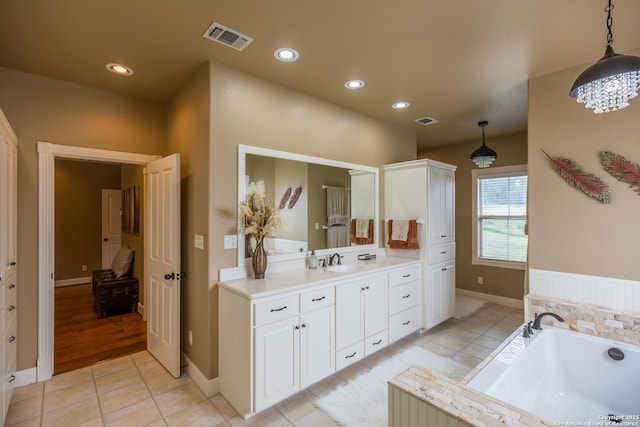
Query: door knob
x=105 y=240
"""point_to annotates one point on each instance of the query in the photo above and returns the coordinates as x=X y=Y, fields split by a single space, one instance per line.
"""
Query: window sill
x=513 y=265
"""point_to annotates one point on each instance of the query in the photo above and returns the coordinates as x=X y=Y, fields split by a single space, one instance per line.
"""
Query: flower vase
x=259 y=260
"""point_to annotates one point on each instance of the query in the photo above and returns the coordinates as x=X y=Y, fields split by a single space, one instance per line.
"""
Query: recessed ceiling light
x=400 y=105
x=286 y=54
x=354 y=84
x=120 y=69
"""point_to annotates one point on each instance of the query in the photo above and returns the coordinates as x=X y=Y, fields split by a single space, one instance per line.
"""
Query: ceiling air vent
x=227 y=36
x=426 y=121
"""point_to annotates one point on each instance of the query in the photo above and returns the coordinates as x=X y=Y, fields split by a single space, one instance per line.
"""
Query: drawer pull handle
x=406 y=296
x=12 y=263
x=12 y=378
x=317 y=299
x=278 y=309
x=12 y=307
x=11 y=286
x=406 y=323
x=351 y=355
x=443 y=252
x=377 y=342
x=404 y=276
x=12 y=339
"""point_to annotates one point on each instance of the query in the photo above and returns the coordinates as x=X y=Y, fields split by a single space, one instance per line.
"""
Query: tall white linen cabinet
x=8 y=260
x=425 y=190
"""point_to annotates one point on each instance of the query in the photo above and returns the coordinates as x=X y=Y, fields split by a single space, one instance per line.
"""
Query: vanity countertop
x=299 y=279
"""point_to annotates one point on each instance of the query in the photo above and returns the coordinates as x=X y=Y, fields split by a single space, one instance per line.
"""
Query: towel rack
x=324 y=187
x=418 y=220
x=326 y=227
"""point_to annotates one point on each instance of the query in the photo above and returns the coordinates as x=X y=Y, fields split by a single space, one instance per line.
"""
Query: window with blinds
x=499 y=216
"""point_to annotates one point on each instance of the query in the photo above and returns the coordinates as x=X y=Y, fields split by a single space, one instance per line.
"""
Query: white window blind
x=500 y=209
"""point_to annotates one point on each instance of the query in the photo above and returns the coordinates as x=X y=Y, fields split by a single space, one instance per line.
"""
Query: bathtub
x=566 y=377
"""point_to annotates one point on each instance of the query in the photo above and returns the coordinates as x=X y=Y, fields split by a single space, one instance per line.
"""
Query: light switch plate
x=198 y=241
x=230 y=241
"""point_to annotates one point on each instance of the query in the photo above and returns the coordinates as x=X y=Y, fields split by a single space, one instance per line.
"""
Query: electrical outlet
x=190 y=338
x=84 y=267
x=480 y=280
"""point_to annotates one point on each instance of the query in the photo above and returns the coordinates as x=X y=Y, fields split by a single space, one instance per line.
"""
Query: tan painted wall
x=43 y=109
x=134 y=175
x=570 y=232
x=78 y=224
x=247 y=110
x=511 y=150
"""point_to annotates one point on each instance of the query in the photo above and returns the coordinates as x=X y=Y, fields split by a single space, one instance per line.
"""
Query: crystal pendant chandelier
x=610 y=83
x=483 y=156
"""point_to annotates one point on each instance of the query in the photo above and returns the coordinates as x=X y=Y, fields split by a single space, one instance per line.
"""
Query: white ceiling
x=458 y=61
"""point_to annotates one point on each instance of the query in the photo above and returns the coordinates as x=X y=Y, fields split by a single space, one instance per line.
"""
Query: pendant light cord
x=608 y=9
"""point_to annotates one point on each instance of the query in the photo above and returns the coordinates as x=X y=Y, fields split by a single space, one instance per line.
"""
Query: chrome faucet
x=538 y=318
x=331 y=258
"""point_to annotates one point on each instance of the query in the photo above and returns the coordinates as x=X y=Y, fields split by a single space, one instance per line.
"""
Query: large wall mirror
x=324 y=204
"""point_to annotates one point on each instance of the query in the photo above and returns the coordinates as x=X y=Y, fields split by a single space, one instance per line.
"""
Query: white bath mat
x=466 y=305
x=363 y=400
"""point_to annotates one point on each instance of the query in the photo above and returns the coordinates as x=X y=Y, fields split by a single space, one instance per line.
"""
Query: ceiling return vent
x=426 y=121
x=227 y=36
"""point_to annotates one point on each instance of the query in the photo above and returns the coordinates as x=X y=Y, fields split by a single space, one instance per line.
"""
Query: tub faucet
x=538 y=318
x=337 y=256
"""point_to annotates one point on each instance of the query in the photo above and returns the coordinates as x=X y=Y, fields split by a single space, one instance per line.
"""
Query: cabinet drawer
x=348 y=355
x=404 y=323
x=376 y=342
x=317 y=298
x=442 y=253
x=405 y=275
x=270 y=311
x=403 y=297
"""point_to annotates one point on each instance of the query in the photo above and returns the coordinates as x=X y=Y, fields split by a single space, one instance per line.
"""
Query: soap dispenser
x=313 y=261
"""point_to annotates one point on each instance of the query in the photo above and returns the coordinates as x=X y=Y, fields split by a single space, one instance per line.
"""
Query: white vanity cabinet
x=8 y=262
x=361 y=318
x=442 y=279
x=281 y=334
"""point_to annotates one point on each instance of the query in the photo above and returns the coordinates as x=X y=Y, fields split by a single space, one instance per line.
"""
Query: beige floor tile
x=67 y=379
x=179 y=398
x=31 y=422
x=27 y=392
x=297 y=406
x=122 y=397
x=477 y=350
x=316 y=418
x=455 y=340
x=164 y=381
x=501 y=332
x=142 y=357
x=488 y=342
x=110 y=366
x=351 y=371
x=203 y=414
x=23 y=410
x=127 y=377
x=267 y=418
x=76 y=414
x=439 y=349
x=138 y=414
x=151 y=368
x=374 y=359
x=325 y=386
x=158 y=423
x=466 y=359
x=223 y=407
x=472 y=325
x=60 y=398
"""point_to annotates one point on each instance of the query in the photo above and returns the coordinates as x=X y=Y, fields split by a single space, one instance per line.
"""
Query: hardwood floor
x=82 y=338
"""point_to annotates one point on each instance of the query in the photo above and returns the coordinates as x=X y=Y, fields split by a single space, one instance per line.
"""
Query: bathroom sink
x=343 y=268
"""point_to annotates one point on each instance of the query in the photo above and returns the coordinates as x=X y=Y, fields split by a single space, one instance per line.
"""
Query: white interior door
x=111 y=225
x=162 y=236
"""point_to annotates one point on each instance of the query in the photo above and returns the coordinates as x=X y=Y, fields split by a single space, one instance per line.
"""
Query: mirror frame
x=243 y=150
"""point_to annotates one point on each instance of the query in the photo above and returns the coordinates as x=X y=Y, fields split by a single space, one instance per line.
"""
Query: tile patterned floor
x=136 y=390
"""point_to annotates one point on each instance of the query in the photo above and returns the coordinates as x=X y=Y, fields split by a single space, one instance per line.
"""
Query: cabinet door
x=447 y=212
x=277 y=364
x=376 y=305
x=317 y=349
x=436 y=231
x=440 y=293
x=349 y=313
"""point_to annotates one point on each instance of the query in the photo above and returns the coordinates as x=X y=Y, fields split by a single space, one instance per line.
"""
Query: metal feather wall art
x=621 y=169
x=284 y=198
x=295 y=196
x=586 y=182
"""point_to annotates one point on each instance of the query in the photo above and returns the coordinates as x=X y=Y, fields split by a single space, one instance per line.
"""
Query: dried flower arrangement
x=260 y=219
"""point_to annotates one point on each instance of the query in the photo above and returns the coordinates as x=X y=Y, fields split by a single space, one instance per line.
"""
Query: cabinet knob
x=12 y=378
x=12 y=263
x=11 y=286
x=362 y=288
x=296 y=327
x=12 y=307
x=367 y=287
x=12 y=339
x=444 y=269
x=304 y=325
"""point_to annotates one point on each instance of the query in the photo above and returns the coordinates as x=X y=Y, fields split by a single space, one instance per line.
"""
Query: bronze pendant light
x=483 y=156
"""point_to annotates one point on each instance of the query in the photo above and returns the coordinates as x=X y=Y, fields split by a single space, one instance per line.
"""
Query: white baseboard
x=71 y=282
x=25 y=377
x=209 y=387
x=509 y=302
